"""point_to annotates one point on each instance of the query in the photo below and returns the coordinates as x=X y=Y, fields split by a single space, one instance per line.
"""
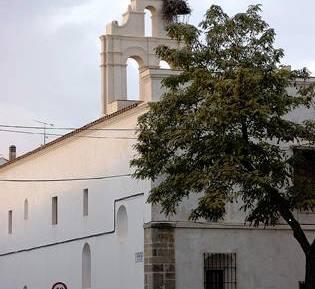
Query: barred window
x=220 y=271
x=304 y=169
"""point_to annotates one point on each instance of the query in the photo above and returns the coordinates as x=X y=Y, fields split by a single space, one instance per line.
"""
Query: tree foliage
x=221 y=130
x=171 y=9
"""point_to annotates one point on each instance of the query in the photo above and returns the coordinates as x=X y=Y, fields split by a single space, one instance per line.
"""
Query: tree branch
x=284 y=209
x=287 y=215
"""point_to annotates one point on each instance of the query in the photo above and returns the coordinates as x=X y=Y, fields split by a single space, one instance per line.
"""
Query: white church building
x=71 y=215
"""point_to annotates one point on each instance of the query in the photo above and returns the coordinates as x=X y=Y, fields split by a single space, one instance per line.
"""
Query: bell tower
x=128 y=41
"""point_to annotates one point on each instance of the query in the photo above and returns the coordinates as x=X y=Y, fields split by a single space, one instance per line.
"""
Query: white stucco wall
x=113 y=262
x=266 y=259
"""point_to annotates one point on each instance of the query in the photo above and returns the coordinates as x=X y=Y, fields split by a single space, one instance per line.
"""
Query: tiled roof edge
x=70 y=134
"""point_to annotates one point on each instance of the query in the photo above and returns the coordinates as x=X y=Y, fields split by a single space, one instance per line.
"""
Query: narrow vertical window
x=25 y=209
x=85 y=202
x=86 y=267
x=10 y=222
x=55 y=210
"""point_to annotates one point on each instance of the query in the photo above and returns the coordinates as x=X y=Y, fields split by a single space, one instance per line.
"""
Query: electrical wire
x=65 y=128
x=73 y=128
x=59 y=135
x=63 y=179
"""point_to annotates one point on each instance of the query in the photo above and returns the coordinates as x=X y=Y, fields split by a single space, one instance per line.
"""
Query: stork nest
x=173 y=8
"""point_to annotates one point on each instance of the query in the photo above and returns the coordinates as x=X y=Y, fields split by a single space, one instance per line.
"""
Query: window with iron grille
x=304 y=174
x=220 y=271
x=304 y=169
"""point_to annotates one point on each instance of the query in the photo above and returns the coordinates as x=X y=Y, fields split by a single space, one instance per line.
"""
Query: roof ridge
x=72 y=133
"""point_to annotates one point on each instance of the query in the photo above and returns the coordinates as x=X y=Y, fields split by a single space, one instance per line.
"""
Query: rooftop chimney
x=12 y=153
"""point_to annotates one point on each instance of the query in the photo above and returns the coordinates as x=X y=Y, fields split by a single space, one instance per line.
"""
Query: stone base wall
x=159 y=256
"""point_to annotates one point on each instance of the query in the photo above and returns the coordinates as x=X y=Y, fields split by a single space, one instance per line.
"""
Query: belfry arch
x=128 y=40
x=148 y=23
x=133 y=79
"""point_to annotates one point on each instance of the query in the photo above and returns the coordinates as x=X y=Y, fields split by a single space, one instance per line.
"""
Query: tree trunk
x=310 y=270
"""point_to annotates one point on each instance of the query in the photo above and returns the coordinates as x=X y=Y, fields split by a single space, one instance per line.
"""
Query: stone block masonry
x=159 y=256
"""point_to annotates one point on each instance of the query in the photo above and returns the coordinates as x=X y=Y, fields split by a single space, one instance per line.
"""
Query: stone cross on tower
x=128 y=41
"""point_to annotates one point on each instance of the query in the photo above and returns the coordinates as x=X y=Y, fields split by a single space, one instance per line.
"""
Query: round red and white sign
x=59 y=285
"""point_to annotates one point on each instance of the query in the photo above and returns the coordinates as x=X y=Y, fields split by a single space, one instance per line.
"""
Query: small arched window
x=122 y=222
x=26 y=209
x=86 y=267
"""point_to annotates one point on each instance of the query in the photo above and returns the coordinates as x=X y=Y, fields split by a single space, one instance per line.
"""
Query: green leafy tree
x=221 y=128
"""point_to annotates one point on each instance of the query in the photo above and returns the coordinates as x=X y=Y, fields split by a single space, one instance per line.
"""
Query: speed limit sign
x=59 y=285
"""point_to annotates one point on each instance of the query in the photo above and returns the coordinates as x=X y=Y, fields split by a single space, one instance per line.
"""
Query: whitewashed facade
x=80 y=219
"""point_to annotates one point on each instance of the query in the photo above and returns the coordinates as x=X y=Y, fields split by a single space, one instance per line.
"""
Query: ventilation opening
x=10 y=221
x=133 y=80
x=147 y=23
x=26 y=209
x=85 y=202
x=164 y=65
x=54 y=210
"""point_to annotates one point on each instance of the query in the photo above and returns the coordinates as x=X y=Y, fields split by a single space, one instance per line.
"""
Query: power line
x=78 y=128
x=59 y=135
x=20 y=131
x=63 y=179
x=66 y=128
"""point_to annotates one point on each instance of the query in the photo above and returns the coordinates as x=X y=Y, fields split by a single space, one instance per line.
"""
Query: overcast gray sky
x=49 y=55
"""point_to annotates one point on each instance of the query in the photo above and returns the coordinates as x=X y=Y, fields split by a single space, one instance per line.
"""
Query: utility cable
x=59 y=135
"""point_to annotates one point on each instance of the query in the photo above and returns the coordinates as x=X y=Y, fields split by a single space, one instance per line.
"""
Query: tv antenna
x=45 y=125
